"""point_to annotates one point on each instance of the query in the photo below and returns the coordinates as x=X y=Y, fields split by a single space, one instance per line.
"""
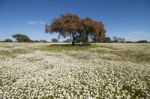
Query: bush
x=8 y=40
x=107 y=40
x=54 y=40
x=129 y=42
x=21 y=37
x=142 y=41
x=118 y=39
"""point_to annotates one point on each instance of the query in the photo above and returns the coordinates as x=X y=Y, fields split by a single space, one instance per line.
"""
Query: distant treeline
x=25 y=38
x=115 y=39
x=36 y=41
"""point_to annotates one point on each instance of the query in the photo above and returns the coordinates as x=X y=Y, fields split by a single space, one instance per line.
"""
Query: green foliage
x=21 y=37
x=107 y=40
x=54 y=40
x=118 y=39
x=8 y=40
x=142 y=41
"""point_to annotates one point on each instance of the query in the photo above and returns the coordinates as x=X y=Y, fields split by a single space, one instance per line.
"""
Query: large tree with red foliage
x=75 y=27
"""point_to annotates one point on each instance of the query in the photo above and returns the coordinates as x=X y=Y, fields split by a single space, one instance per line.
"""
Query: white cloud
x=34 y=23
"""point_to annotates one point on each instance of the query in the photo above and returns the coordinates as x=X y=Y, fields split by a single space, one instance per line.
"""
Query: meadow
x=63 y=71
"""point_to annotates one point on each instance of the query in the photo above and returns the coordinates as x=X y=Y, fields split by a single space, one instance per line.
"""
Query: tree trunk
x=73 y=43
x=73 y=40
x=85 y=39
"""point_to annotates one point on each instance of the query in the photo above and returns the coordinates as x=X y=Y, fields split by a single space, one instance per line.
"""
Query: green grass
x=138 y=53
x=5 y=53
x=67 y=47
x=12 y=53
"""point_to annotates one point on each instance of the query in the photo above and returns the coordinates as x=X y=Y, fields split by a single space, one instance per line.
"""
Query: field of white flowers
x=102 y=71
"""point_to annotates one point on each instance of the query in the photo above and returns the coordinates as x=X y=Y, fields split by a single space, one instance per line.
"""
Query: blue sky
x=123 y=18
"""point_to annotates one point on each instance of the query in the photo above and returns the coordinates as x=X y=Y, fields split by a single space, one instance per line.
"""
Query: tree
x=79 y=29
x=115 y=39
x=54 y=40
x=8 y=40
x=65 y=25
x=119 y=39
x=43 y=41
x=21 y=37
x=99 y=31
x=85 y=29
x=142 y=41
x=107 y=40
x=129 y=42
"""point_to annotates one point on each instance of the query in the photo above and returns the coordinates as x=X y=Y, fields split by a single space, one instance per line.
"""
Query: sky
x=129 y=19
